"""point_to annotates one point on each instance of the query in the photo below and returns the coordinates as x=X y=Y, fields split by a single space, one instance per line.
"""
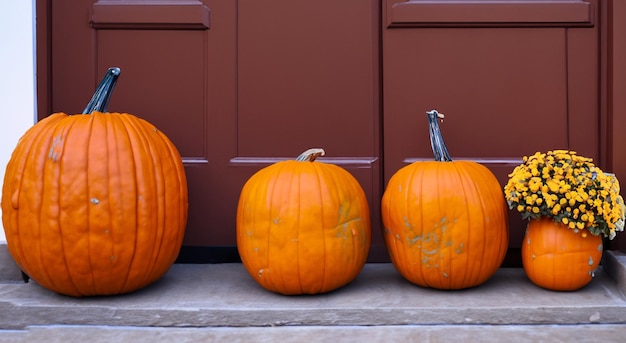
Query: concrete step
x=223 y=301
x=604 y=333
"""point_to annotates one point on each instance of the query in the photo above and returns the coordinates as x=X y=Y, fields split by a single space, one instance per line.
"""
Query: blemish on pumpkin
x=459 y=249
x=434 y=266
x=260 y=273
x=55 y=149
x=276 y=221
x=94 y=201
x=412 y=241
x=534 y=256
x=599 y=247
x=342 y=227
x=590 y=262
x=445 y=274
x=112 y=258
x=344 y=211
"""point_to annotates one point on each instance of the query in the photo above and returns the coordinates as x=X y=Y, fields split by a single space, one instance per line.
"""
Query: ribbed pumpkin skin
x=445 y=223
x=303 y=227
x=94 y=204
x=557 y=258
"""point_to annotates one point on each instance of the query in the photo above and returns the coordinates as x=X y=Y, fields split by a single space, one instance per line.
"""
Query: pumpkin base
x=557 y=258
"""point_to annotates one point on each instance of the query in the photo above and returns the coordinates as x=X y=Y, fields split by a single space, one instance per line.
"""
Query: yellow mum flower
x=553 y=186
x=568 y=187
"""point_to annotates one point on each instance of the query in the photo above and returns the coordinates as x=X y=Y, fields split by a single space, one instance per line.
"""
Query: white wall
x=17 y=78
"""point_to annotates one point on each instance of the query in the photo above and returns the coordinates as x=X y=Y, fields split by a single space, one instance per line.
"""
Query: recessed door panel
x=502 y=73
x=308 y=76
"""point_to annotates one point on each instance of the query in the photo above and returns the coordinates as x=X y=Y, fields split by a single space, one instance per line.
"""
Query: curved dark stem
x=436 y=139
x=310 y=155
x=101 y=97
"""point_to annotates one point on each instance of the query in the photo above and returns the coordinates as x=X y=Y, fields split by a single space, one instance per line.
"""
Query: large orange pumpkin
x=303 y=226
x=445 y=222
x=94 y=204
x=558 y=258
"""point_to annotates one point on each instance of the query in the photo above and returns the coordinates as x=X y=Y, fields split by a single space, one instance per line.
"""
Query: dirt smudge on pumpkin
x=262 y=271
x=56 y=148
x=348 y=227
x=434 y=244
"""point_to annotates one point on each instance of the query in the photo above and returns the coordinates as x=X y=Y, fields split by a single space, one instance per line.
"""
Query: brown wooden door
x=236 y=85
x=240 y=84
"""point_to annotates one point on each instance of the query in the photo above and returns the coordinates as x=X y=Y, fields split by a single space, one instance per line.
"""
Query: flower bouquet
x=570 y=204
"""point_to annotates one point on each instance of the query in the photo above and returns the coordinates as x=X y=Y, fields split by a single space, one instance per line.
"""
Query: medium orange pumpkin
x=303 y=226
x=94 y=204
x=558 y=258
x=445 y=222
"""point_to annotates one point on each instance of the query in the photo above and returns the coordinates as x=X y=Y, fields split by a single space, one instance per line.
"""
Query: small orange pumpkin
x=94 y=203
x=558 y=258
x=303 y=226
x=445 y=222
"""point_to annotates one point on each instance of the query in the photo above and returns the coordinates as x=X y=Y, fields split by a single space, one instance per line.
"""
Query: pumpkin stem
x=310 y=155
x=436 y=139
x=101 y=97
